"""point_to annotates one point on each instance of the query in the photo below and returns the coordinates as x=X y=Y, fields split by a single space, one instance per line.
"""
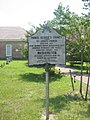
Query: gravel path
x=66 y=71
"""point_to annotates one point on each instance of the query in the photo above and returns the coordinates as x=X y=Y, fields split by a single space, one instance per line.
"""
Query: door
x=8 y=50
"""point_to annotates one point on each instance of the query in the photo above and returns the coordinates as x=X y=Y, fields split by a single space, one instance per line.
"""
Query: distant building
x=12 y=41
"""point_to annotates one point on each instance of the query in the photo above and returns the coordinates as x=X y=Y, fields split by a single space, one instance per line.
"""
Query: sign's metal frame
x=44 y=47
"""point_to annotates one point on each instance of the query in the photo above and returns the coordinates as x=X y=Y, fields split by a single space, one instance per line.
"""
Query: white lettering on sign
x=47 y=47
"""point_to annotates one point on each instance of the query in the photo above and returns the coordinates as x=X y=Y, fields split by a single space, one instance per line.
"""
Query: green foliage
x=87 y=5
x=29 y=33
x=53 y=71
x=25 y=52
x=77 y=31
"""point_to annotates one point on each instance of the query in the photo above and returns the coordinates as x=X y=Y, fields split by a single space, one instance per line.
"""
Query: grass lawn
x=78 y=67
x=22 y=95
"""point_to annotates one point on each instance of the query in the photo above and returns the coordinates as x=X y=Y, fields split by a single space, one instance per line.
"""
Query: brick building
x=12 y=41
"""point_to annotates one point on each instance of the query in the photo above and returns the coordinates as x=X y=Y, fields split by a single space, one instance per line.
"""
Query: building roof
x=12 y=33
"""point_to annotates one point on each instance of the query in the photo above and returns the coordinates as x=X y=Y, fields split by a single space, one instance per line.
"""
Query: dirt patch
x=51 y=116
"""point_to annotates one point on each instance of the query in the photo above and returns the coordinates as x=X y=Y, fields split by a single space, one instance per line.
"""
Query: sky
x=24 y=13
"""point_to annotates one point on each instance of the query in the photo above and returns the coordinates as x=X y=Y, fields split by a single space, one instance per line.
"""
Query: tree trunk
x=87 y=84
x=81 y=72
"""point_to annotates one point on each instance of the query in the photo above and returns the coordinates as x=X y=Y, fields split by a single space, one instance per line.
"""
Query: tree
x=66 y=23
x=28 y=34
x=87 y=5
x=76 y=29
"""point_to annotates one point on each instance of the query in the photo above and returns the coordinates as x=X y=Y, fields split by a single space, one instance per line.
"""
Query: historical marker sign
x=46 y=46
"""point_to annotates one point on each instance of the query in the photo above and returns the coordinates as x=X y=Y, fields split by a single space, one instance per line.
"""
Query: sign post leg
x=47 y=92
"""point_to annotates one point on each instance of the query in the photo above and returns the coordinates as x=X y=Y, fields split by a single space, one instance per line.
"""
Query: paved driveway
x=75 y=73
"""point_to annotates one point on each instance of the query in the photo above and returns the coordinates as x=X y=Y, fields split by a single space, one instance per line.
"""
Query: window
x=8 y=50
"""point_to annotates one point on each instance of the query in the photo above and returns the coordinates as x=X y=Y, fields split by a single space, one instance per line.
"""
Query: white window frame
x=8 y=50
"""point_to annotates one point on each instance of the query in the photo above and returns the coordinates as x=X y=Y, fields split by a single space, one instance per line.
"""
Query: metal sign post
x=46 y=47
x=47 y=91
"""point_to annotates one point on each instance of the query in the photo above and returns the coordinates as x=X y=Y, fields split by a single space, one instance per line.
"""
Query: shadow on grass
x=77 y=67
x=65 y=103
x=60 y=102
x=32 y=77
x=33 y=66
x=86 y=113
